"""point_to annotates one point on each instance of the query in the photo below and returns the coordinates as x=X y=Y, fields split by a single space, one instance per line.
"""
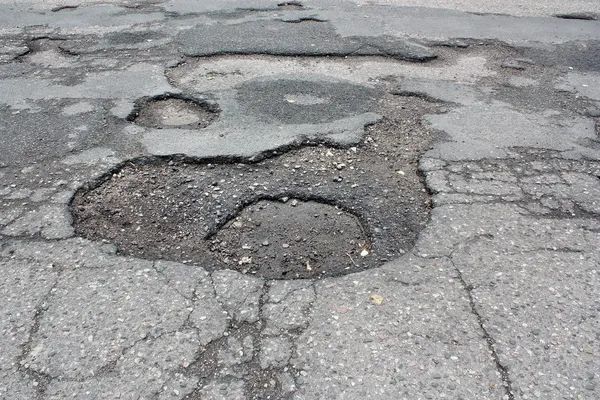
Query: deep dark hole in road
x=173 y=111
x=311 y=211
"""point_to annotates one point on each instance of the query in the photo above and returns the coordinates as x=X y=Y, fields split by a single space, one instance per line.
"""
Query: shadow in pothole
x=313 y=211
x=174 y=111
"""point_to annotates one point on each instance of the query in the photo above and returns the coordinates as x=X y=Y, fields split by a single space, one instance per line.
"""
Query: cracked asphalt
x=482 y=119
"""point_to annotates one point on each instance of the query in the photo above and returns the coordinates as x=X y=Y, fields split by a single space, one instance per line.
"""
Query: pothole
x=171 y=111
x=295 y=239
x=47 y=53
x=311 y=212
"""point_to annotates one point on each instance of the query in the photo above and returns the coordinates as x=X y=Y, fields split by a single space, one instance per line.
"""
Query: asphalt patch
x=355 y=208
x=296 y=101
x=172 y=112
x=312 y=39
x=577 y=55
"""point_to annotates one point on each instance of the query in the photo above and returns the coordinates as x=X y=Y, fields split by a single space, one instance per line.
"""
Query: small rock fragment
x=376 y=299
x=245 y=260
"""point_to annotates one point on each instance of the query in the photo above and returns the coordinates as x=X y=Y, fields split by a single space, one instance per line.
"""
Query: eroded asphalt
x=498 y=298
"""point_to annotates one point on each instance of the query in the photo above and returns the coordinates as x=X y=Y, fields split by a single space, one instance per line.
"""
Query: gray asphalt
x=499 y=297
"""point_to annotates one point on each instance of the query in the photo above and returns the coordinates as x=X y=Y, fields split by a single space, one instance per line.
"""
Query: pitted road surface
x=429 y=176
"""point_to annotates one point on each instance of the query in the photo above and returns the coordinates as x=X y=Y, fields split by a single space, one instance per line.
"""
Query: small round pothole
x=174 y=112
x=292 y=239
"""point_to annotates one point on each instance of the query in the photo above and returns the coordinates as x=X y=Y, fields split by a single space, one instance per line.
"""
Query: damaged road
x=299 y=200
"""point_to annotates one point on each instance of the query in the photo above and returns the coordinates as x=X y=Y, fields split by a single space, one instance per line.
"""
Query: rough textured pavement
x=499 y=297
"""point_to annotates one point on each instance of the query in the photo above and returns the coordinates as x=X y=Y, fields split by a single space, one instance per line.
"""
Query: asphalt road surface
x=299 y=200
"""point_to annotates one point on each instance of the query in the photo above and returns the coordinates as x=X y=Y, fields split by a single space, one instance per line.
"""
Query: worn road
x=299 y=200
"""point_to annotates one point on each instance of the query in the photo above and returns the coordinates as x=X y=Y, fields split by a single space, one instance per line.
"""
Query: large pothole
x=312 y=212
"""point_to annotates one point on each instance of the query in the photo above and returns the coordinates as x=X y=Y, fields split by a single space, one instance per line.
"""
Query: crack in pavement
x=110 y=366
x=168 y=281
x=209 y=365
x=42 y=379
x=502 y=369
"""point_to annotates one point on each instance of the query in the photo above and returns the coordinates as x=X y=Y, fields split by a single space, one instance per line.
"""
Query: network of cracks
x=306 y=211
